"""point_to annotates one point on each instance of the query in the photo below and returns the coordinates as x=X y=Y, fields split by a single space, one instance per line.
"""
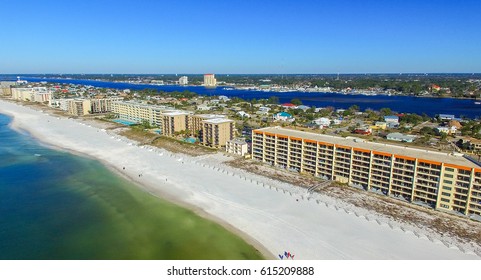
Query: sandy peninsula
x=273 y=216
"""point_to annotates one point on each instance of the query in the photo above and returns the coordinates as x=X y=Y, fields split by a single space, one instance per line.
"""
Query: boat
x=477 y=102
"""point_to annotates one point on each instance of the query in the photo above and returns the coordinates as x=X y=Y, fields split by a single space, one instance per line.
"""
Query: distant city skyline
x=240 y=37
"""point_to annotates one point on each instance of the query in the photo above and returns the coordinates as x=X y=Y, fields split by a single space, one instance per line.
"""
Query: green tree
x=273 y=100
x=354 y=108
x=427 y=131
x=414 y=119
x=371 y=115
x=386 y=111
x=296 y=101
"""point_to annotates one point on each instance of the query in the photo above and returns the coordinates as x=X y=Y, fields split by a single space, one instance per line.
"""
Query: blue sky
x=240 y=36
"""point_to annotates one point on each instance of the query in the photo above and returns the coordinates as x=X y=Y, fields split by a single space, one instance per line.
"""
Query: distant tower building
x=183 y=81
x=209 y=80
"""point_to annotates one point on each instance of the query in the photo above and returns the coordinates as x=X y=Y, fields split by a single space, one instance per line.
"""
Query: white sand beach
x=279 y=216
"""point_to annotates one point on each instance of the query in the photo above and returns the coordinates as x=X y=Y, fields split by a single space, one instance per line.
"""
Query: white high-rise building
x=209 y=80
x=183 y=81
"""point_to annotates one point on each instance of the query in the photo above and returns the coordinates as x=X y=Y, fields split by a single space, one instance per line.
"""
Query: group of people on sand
x=286 y=255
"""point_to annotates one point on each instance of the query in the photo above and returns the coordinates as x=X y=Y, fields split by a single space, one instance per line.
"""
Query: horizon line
x=180 y=74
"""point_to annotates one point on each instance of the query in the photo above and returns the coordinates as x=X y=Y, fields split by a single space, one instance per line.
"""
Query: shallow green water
x=54 y=205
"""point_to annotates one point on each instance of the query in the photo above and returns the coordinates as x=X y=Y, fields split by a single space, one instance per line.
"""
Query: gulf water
x=55 y=205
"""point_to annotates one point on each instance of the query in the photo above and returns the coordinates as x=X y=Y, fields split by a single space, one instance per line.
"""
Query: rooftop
x=455 y=158
x=175 y=113
x=142 y=105
x=401 y=136
x=217 y=121
x=239 y=141
x=209 y=116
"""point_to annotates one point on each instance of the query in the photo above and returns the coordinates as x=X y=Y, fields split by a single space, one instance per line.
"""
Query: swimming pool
x=190 y=140
x=124 y=122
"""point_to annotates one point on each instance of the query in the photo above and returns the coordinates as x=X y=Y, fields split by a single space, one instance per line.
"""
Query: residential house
x=303 y=107
x=379 y=125
x=449 y=130
x=363 y=131
x=243 y=114
x=322 y=122
x=446 y=117
x=288 y=106
x=396 y=136
x=391 y=121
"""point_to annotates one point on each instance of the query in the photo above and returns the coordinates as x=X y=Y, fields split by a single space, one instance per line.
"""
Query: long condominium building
x=102 y=105
x=84 y=106
x=449 y=182
x=137 y=112
x=34 y=94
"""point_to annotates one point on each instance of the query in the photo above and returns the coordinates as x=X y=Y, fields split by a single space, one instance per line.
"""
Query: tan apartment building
x=213 y=130
x=5 y=88
x=237 y=147
x=78 y=107
x=442 y=181
x=195 y=122
x=216 y=132
x=137 y=112
x=173 y=122
x=34 y=94
x=103 y=105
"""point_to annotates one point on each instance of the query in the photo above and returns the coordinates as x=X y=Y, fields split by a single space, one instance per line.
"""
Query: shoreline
x=274 y=216
x=145 y=187
x=196 y=210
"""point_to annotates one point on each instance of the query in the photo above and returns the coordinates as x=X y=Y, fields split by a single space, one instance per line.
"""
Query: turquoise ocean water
x=54 y=205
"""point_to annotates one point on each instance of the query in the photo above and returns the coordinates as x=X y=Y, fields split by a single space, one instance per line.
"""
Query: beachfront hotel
x=84 y=106
x=209 y=80
x=213 y=130
x=78 y=107
x=450 y=182
x=138 y=112
x=34 y=94
x=195 y=121
x=237 y=147
x=102 y=105
x=173 y=122
x=6 y=87
x=216 y=132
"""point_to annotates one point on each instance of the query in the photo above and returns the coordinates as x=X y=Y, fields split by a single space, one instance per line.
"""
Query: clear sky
x=240 y=36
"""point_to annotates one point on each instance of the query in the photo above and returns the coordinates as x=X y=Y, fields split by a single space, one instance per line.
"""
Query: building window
x=445 y=200
x=446 y=194
x=447 y=188
x=449 y=175
x=448 y=182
